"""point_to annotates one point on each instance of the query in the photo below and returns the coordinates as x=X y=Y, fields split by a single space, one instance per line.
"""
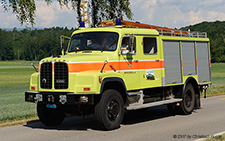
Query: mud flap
x=197 y=101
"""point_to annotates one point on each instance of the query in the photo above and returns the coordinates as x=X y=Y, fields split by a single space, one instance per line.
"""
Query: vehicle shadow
x=150 y=114
x=89 y=122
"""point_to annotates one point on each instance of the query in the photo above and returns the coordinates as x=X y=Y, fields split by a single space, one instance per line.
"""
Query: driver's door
x=129 y=62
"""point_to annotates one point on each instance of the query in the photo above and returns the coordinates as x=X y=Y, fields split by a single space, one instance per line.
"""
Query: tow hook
x=205 y=88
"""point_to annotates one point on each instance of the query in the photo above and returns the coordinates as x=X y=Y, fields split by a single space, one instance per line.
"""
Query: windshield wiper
x=109 y=45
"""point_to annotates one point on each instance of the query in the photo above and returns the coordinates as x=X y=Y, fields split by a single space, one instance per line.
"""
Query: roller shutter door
x=188 y=57
x=172 y=62
x=203 y=62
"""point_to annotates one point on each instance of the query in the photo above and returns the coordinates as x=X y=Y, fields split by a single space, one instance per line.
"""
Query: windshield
x=104 y=41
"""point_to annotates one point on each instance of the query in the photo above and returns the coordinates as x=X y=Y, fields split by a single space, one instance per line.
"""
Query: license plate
x=52 y=106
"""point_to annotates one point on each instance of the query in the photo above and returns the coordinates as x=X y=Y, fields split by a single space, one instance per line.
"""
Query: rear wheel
x=49 y=116
x=188 y=102
x=109 y=111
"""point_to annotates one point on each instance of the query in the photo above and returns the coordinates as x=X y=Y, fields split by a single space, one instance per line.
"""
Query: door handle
x=135 y=60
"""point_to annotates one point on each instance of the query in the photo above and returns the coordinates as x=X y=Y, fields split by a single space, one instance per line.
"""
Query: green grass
x=15 y=76
x=14 y=81
x=17 y=63
x=13 y=106
x=218 y=79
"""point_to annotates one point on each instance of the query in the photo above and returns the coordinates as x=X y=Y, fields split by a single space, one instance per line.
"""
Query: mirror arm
x=32 y=64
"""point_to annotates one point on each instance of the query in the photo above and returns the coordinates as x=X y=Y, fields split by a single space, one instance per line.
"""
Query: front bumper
x=59 y=98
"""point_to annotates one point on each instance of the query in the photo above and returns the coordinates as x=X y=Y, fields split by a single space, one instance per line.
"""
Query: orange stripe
x=53 y=67
x=182 y=63
x=196 y=63
x=134 y=65
x=210 y=62
x=39 y=68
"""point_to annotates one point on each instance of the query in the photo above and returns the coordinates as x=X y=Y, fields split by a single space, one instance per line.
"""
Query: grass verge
x=218 y=79
x=217 y=138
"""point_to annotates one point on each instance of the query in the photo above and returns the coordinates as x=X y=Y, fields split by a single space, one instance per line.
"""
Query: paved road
x=156 y=124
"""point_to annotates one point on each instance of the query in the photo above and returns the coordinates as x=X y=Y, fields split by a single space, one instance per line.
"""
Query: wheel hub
x=113 y=110
x=188 y=99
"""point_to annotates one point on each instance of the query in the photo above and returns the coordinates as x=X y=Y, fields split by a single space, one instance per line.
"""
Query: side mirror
x=62 y=39
x=62 y=46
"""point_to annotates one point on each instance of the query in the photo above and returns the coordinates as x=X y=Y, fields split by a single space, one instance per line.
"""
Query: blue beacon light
x=82 y=24
x=118 y=22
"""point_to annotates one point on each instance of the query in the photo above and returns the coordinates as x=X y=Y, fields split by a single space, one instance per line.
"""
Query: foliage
x=109 y=9
x=37 y=44
x=31 y=44
x=99 y=9
x=6 y=51
x=216 y=34
x=24 y=9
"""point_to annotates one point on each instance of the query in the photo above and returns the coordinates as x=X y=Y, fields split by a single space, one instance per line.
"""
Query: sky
x=168 y=13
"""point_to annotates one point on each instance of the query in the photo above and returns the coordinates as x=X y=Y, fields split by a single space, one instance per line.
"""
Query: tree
x=109 y=9
x=24 y=9
x=98 y=9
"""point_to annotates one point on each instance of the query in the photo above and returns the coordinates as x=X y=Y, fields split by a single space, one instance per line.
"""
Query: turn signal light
x=100 y=79
x=87 y=89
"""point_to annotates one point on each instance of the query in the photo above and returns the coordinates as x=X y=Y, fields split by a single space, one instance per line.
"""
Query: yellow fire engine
x=121 y=65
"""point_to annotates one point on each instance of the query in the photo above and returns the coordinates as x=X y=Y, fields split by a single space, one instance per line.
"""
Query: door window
x=150 y=46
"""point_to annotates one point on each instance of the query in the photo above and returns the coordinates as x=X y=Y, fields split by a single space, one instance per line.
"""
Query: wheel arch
x=194 y=83
x=115 y=83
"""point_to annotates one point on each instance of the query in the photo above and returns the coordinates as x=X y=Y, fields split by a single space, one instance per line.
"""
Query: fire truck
x=120 y=66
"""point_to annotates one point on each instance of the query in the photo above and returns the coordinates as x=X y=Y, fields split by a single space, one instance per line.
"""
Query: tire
x=188 y=102
x=109 y=111
x=50 y=117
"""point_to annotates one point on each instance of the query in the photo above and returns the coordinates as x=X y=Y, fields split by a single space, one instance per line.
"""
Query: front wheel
x=109 y=111
x=50 y=117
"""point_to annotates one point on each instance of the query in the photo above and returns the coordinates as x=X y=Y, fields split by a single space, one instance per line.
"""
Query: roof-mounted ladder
x=162 y=30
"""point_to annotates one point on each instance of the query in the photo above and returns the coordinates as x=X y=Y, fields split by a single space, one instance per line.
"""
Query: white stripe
x=108 y=61
x=116 y=61
x=85 y=62
x=74 y=73
x=141 y=69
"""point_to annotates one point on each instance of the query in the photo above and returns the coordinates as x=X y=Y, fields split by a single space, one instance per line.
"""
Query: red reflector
x=32 y=88
x=87 y=89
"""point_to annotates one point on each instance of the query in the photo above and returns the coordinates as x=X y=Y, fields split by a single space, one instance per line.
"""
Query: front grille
x=46 y=75
x=61 y=75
